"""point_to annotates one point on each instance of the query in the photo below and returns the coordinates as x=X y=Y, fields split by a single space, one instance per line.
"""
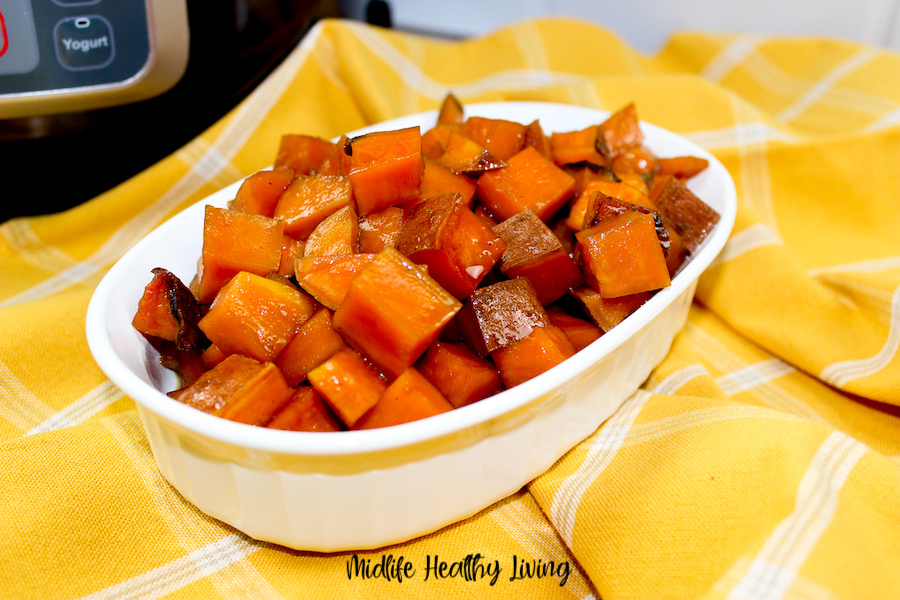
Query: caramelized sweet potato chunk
x=239 y=389
x=528 y=181
x=681 y=167
x=497 y=315
x=579 y=147
x=409 y=397
x=315 y=342
x=259 y=193
x=393 y=311
x=309 y=200
x=305 y=411
x=457 y=246
x=622 y=256
x=500 y=137
x=691 y=218
x=526 y=358
x=622 y=131
x=602 y=208
x=606 y=313
x=337 y=235
x=168 y=310
x=438 y=180
x=580 y=332
x=302 y=152
x=533 y=251
x=385 y=168
x=327 y=278
x=463 y=155
x=451 y=111
x=349 y=384
x=236 y=241
x=459 y=374
x=380 y=230
x=256 y=316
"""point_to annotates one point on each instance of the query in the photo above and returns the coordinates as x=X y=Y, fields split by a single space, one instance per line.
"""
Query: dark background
x=66 y=159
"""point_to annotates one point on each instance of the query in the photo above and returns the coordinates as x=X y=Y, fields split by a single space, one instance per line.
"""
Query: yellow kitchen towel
x=761 y=459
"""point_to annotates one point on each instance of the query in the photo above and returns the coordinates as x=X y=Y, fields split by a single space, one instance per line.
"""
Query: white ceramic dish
x=367 y=489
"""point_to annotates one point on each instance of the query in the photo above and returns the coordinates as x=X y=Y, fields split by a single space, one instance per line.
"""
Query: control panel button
x=18 y=40
x=84 y=42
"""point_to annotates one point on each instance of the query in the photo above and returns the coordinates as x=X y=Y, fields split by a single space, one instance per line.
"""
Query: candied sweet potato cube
x=434 y=140
x=573 y=147
x=533 y=251
x=212 y=356
x=309 y=200
x=623 y=256
x=385 y=168
x=459 y=249
x=315 y=342
x=349 y=384
x=463 y=155
x=438 y=179
x=236 y=241
x=305 y=411
x=256 y=316
x=380 y=230
x=451 y=111
x=168 y=310
x=543 y=348
x=622 y=131
x=613 y=189
x=638 y=160
x=499 y=314
x=302 y=152
x=681 y=167
x=338 y=162
x=291 y=250
x=584 y=173
x=336 y=235
x=606 y=313
x=327 y=278
x=393 y=311
x=259 y=192
x=459 y=374
x=540 y=141
x=528 y=181
x=240 y=389
x=500 y=137
x=690 y=216
x=602 y=208
x=408 y=398
x=580 y=332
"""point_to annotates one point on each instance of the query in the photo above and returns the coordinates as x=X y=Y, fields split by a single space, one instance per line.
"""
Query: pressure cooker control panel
x=68 y=55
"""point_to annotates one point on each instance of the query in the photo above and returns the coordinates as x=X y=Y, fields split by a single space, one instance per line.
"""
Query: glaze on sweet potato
x=408 y=398
x=385 y=168
x=528 y=181
x=459 y=374
x=256 y=316
x=458 y=248
x=348 y=384
x=393 y=311
x=315 y=342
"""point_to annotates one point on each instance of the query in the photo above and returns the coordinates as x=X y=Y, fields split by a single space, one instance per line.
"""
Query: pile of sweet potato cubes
x=397 y=275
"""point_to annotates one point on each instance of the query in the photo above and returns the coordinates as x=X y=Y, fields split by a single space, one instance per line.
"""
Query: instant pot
x=94 y=91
